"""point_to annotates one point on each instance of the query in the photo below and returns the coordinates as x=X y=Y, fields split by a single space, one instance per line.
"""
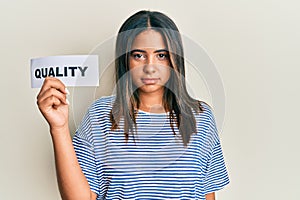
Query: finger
x=49 y=103
x=56 y=101
x=53 y=92
x=51 y=82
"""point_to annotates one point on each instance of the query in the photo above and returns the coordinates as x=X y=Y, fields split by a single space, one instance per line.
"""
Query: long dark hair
x=176 y=99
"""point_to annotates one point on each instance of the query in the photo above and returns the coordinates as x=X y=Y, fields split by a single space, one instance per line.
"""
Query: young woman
x=149 y=141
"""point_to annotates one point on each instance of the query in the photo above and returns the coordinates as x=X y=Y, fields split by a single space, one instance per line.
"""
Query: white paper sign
x=72 y=70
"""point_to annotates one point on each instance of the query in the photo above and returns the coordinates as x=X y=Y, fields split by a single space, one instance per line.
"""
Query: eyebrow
x=143 y=51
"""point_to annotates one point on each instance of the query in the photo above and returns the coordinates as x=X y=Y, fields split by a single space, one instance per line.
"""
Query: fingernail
x=67 y=91
x=67 y=101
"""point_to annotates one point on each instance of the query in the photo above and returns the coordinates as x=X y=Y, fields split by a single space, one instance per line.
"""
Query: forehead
x=149 y=39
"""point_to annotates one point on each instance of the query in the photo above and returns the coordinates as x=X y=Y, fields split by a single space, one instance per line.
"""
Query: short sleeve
x=84 y=148
x=216 y=176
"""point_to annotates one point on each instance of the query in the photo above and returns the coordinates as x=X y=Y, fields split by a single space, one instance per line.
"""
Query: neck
x=150 y=102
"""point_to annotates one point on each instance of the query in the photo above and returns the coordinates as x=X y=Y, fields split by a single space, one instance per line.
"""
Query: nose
x=149 y=66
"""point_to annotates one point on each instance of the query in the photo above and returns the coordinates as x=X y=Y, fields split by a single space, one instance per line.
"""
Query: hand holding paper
x=53 y=74
x=53 y=103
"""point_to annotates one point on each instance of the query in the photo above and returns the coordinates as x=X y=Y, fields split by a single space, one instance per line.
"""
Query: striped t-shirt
x=155 y=165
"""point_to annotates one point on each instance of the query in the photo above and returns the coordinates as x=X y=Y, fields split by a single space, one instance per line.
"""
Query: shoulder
x=102 y=105
x=206 y=123
x=95 y=121
x=99 y=111
x=207 y=111
x=96 y=117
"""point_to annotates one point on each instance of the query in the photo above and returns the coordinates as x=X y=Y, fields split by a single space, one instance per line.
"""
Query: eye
x=137 y=56
x=162 y=56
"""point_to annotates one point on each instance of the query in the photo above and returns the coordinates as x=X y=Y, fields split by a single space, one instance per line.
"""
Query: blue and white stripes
x=156 y=165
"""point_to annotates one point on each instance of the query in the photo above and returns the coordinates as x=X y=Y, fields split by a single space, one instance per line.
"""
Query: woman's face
x=149 y=62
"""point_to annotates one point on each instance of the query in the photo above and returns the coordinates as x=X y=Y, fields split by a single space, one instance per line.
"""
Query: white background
x=254 y=44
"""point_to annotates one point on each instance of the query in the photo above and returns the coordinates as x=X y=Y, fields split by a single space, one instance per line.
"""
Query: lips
x=150 y=81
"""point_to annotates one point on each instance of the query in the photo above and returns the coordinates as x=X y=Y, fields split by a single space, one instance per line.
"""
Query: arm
x=53 y=105
x=71 y=181
x=210 y=196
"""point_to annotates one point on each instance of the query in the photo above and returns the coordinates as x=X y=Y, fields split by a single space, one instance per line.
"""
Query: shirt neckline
x=151 y=113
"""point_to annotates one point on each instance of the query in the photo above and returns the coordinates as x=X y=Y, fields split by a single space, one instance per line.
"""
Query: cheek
x=135 y=76
x=166 y=73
